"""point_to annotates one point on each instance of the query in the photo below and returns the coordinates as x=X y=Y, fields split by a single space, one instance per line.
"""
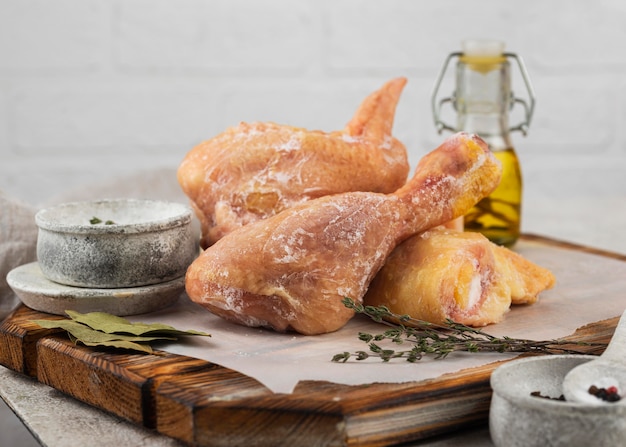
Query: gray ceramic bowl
x=518 y=419
x=144 y=242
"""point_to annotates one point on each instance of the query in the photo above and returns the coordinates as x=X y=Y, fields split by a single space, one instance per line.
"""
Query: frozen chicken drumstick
x=291 y=271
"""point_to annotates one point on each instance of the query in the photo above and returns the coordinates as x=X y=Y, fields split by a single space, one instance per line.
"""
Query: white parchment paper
x=589 y=288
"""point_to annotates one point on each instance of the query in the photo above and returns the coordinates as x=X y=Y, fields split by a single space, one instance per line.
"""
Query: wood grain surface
x=204 y=404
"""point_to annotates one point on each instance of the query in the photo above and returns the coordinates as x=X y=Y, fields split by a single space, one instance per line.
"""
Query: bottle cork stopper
x=482 y=48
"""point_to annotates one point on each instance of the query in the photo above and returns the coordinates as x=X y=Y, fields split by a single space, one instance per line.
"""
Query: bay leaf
x=110 y=324
x=119 y=344
x=103 y=329
x=86 y=334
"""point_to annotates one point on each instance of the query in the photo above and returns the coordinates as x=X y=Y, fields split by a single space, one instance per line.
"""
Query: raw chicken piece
x=524 y=278
x=445 y=274
x=253 y=171
x=291 y=271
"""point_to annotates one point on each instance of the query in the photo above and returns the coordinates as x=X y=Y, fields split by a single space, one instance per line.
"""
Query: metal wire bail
x=529 y=108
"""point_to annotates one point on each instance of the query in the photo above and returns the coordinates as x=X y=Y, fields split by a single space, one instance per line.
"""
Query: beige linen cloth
x=18 y=238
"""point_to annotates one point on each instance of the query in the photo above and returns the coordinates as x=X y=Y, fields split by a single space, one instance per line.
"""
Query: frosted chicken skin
x=253 y=171
x=445 y=274
x=291 y=271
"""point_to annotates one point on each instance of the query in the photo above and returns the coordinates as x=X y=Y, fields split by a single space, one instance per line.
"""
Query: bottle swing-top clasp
x=528 y=105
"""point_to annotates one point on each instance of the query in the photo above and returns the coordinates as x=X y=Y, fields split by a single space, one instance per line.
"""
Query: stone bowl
x=115 y=243
x=516 y=418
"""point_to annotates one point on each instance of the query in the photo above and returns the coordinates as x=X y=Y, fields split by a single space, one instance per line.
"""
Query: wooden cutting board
x=201 y=403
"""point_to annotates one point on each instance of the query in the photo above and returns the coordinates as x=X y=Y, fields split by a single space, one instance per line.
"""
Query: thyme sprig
x=439 y=340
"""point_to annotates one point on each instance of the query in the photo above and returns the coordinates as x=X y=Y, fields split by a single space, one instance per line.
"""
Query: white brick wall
x=90 y=90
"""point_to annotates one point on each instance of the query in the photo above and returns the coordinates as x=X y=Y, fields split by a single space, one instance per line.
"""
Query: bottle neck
x=483 y=100
x=493 y=128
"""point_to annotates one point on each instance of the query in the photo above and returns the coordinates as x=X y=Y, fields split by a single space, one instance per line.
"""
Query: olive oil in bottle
x=482 y=100
x=498 y=215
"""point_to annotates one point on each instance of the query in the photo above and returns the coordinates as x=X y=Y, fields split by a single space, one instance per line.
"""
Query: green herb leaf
x=96 y=220
x=112 y=324
x=87 y=334
x=439 y=340
x=103 y=329
x=119 y=344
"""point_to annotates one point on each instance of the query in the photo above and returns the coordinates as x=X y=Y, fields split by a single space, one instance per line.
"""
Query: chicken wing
x=253 y=171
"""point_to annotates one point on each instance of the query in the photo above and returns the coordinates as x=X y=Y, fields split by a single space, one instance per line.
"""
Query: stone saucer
x=39 y=293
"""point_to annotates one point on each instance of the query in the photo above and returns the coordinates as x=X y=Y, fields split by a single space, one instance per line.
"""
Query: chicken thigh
x=443 y=274
x=291 y=271
x=253 y=171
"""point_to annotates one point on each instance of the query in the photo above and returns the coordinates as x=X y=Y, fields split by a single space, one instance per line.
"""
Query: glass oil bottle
x=482 y=101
